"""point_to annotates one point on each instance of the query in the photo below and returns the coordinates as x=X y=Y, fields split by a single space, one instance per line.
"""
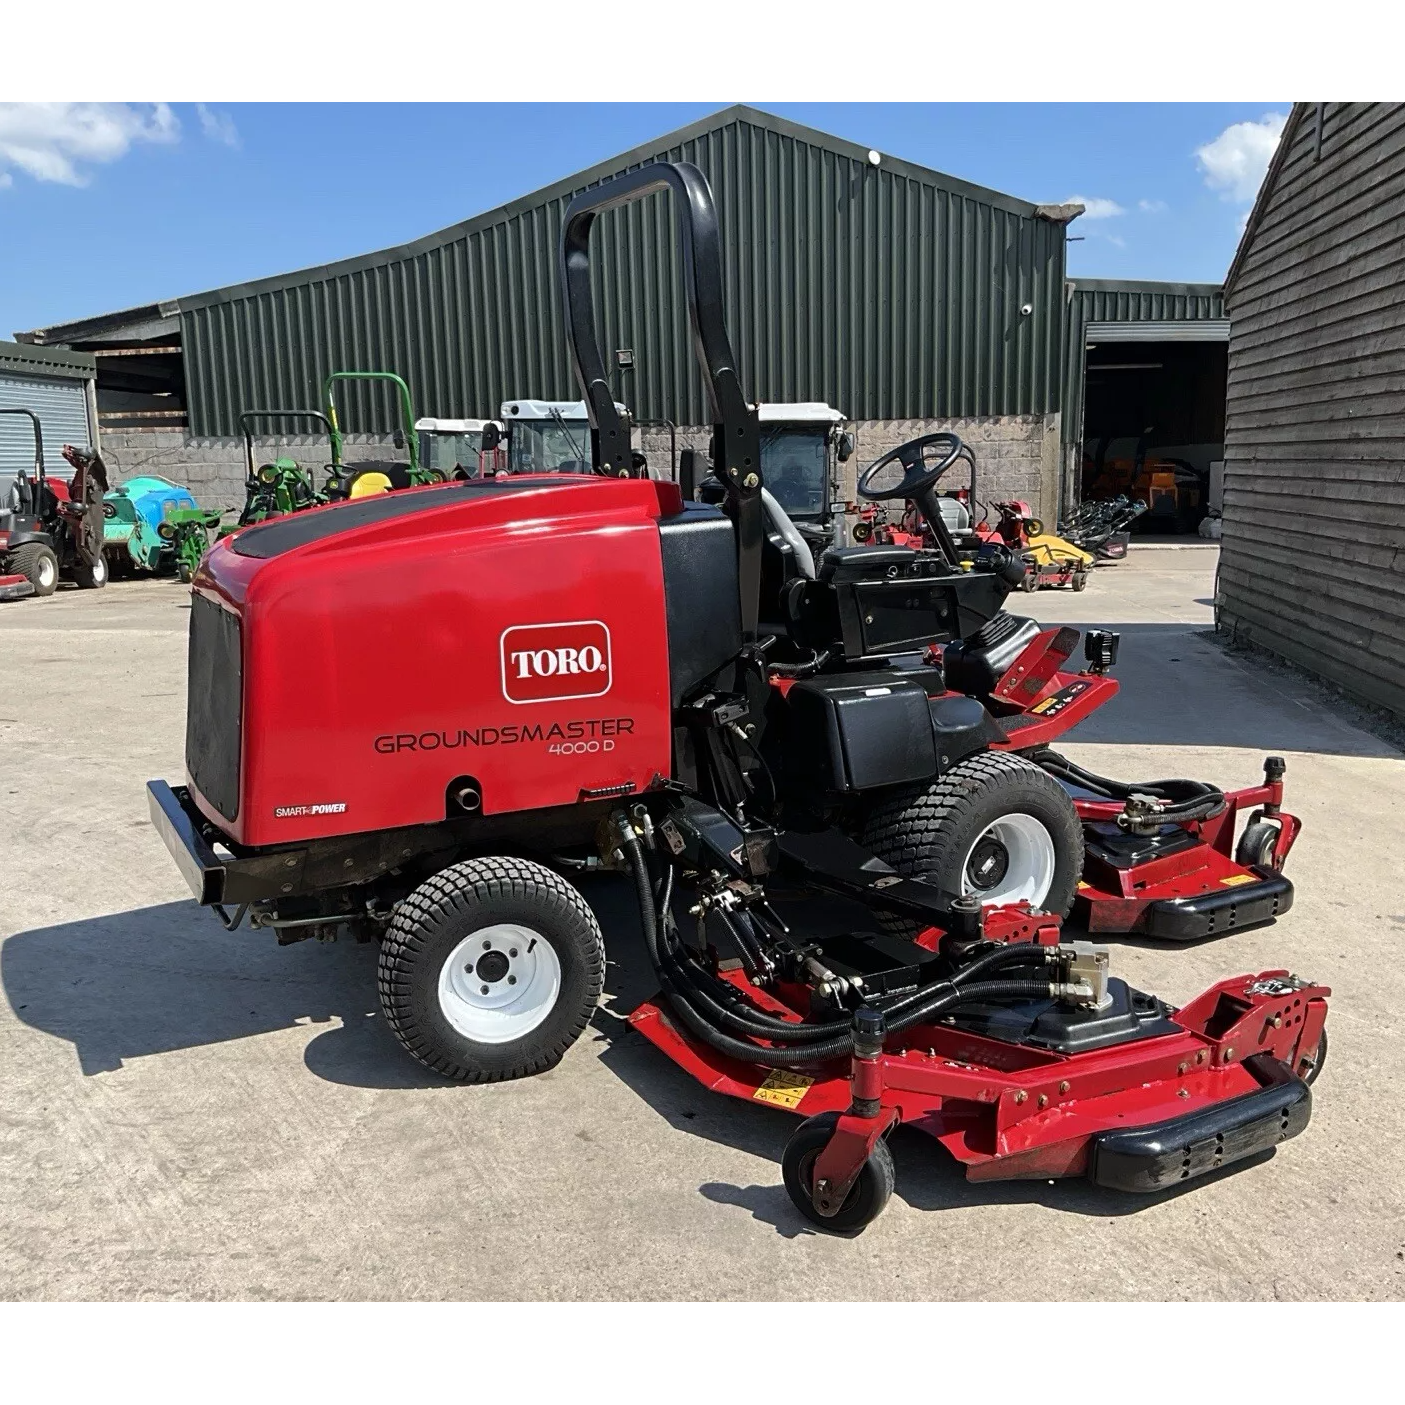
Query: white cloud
x=1095 y=207
x=1236 y=161
x=1152 y=207
x=218 y=126
x=55 y=141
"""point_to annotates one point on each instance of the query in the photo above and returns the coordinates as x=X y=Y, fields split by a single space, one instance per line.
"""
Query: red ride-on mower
x=689 y=696
x=51 y=527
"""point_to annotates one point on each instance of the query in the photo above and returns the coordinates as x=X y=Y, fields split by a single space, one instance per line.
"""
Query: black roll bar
x=32 y=505
x=738 y=453
x=246 y=421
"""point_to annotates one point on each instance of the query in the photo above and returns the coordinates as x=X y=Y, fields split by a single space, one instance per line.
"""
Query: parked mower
x=133 y=516
x=189 y=531
x=50 y=526
x=1103 y=528
x=281 y=485
x=1049 y=560
x=741 y=729
x=369 y=477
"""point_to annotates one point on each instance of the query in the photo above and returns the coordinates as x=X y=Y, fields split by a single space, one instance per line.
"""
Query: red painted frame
x=1009 y=1111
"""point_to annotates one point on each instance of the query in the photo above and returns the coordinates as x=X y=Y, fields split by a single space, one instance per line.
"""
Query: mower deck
x=1138 y=1115
x=15 y=587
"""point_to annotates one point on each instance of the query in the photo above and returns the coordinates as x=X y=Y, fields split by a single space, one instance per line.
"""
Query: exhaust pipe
x=468 y=797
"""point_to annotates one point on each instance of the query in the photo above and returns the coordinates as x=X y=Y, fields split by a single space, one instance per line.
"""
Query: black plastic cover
x=1167 y=1153
x=699 y=550
x=976 y=664
x=854 y=732
x=1071 y=1029
x=214 y=704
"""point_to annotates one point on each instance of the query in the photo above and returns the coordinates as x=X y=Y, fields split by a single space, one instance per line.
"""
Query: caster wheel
x=1080 y=581
x=1255 y=847
x=866 y=1198
x=1308 y=1068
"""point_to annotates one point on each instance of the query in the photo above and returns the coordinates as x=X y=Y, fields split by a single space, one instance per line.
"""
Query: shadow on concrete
x=158 y=979
x=1178 y=686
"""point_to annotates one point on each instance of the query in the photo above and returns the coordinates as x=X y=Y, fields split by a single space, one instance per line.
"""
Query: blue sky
x=108 y=206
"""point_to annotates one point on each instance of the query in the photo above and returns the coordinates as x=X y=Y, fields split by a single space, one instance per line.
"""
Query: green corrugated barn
x=899 y=295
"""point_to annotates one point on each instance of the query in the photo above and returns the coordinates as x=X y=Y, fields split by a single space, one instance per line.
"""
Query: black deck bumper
x=1224 y=910
x=1167 y=1153
x=182 y=831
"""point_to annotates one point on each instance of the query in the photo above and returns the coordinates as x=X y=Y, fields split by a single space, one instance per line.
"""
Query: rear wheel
x=866 y=1198
x=491 y=969
x=995 y=827
x=38 y=565
x=92 y=577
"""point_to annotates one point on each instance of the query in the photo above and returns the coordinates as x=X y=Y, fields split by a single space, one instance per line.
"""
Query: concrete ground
x=186 y=1113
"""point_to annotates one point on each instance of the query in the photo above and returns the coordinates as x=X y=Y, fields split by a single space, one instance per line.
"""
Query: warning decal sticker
x=783 y=1089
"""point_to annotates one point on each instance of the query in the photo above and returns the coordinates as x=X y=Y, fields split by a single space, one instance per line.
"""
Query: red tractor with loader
x=827 y=778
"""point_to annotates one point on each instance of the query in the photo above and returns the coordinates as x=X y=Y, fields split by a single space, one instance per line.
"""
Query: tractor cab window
x=795 y=467
x=549 y=446
x=447 y=452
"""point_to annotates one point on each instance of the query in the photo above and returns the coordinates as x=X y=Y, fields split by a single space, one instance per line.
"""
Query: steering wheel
x=919 y=476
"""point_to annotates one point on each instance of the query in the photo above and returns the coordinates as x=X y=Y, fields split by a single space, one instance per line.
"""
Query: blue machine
x=132 y=516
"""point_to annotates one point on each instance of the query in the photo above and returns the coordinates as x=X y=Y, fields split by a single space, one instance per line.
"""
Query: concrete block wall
x=1017 y=456
x=214 y=469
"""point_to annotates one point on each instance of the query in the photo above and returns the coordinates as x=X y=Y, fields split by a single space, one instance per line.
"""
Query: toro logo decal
x=555 y=662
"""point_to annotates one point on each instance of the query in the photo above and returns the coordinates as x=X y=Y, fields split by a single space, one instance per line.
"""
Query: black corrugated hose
x=684 y=982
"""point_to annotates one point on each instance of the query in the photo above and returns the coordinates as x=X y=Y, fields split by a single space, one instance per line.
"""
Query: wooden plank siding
x=1312 y=564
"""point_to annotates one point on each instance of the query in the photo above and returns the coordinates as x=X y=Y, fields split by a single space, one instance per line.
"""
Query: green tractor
x=369 y=476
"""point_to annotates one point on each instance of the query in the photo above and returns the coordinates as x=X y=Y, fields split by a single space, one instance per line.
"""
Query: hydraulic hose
x=1185 y=799
x=818 y=1043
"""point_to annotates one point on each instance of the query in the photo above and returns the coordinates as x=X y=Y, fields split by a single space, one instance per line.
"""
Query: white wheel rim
x=1024 y=847
x=500 y=983
x=99 y=570
x=47 y=573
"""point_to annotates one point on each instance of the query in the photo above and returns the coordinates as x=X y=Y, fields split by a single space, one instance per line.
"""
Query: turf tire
x=927 y=831
x=450 y=906
x=38 y=564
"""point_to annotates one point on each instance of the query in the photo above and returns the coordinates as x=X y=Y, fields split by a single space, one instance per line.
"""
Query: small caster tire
x=1308 y=1068
x=1080 y=581
x=1256 y=844
x=868 y=1195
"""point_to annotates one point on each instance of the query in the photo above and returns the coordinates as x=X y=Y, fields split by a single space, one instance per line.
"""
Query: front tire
x=38 y=564
x=995 y=826
x=868 y=1195
x=491 y=969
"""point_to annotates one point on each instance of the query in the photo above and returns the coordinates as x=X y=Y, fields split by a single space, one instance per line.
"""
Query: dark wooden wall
x=1313 y=561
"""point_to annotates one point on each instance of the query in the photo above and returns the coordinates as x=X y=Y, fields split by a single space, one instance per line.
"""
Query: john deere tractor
x=366 y=477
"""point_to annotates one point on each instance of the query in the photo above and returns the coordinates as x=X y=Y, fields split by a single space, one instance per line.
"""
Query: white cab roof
x=807 y=412
x=542 y=409
x=452 y=426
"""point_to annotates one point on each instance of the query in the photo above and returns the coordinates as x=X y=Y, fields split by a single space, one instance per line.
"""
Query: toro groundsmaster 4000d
x=686 y=695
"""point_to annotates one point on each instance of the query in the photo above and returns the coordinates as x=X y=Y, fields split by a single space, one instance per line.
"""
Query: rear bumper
x=1225 y=909
x=181 y=828
x=1168 y=1153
